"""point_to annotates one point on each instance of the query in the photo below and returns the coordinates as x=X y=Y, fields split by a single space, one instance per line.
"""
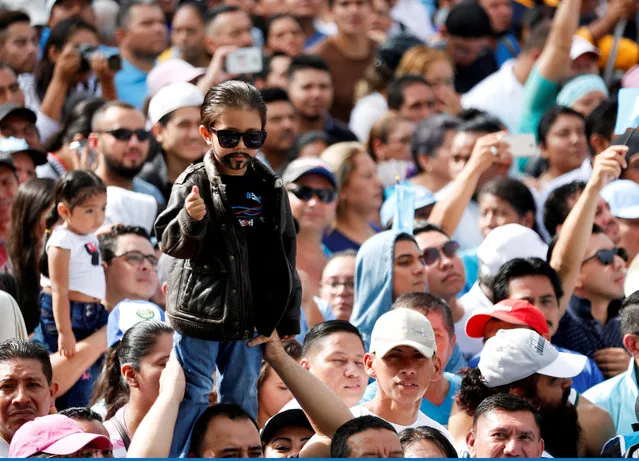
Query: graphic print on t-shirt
x=95 y=254
x=249 y=210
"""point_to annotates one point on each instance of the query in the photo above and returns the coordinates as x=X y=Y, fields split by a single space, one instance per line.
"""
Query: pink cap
x=171 y=71
x=55 y=435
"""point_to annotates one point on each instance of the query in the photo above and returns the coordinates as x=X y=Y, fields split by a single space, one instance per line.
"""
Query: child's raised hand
x=194 y=204
x=66 y=344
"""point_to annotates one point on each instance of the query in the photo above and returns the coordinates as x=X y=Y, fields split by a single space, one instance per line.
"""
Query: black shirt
x=469 y=76
x=245 y=195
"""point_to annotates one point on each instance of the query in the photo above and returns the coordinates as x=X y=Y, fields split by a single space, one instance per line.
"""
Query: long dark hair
x=32 y=199
x=58 y=38
x=137 y=343
x=74 y=188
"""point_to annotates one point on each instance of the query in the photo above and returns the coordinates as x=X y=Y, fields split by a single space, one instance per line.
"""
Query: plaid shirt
x=582 y=333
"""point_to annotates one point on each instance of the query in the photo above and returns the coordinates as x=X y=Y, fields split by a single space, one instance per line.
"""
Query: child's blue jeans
x=238 y=368
x=86 y=319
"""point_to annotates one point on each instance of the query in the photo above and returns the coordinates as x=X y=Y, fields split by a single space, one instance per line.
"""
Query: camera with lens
x=112 y=57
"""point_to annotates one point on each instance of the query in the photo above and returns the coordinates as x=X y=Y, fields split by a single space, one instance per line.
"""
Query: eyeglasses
x=137 y=257
x=229 y=139
x=93 y=453
x=335 y=285
x=305 y=193
x=124 y=134
x=432 y=255
x=607 y=257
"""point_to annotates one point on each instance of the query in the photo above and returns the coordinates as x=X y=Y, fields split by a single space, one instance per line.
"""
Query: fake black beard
x=231 y=161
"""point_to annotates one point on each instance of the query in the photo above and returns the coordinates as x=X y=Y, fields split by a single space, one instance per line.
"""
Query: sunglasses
x=124 y=134
x=305 y=193
x=607 y=257
x=229 y=139
x=432 y=255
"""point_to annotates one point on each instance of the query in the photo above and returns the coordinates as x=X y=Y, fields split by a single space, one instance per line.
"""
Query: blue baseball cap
x=423 y=197
x=308 y=165
x=126 y=314
x=623 y=197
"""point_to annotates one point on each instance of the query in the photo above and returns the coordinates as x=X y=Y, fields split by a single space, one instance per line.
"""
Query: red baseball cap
x=515 y=311
x=55 y=435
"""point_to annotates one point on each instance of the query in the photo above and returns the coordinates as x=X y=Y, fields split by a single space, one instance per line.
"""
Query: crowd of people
x=319 y=228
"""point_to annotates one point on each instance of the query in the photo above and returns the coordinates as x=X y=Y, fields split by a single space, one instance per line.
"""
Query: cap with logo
x=308 y=165
x=515 y=311
x=508 y=242
x=53 y=435
x=173 y=97
x=16 y=145
x=288 y=418
x=403 y=327
x=128 y=313
x=623 y=197
x=512 y=355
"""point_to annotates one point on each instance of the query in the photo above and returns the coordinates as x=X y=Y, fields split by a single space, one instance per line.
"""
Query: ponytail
x=51 y=220
x=117 y=390
x=137 y=342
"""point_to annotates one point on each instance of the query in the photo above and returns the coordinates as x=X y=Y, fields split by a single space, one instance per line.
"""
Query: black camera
x=112 y=57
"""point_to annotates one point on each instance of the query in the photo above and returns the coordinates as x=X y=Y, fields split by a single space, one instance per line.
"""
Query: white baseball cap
x=171 y=71
x=173 y=97
x=403 y=327
x=509 y=242
x=512 y=355
x=581 y=46
x=623 y=197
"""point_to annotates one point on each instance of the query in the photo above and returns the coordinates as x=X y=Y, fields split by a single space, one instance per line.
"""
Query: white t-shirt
x=422 y=420
x=130 y=208
x=500 y=94
x=4 y=448
x=86 y=274
x=469 y=346
x=365 y=113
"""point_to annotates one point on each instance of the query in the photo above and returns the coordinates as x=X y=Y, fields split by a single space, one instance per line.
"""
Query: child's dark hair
x=231 y=94
x=74 y=188
x=137 y=343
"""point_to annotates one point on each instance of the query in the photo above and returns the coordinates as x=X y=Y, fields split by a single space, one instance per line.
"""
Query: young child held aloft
x=73 y=283
x=229 y=223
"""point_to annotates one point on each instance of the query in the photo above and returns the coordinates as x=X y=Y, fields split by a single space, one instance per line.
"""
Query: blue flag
x=405 y=209
x=628 y=111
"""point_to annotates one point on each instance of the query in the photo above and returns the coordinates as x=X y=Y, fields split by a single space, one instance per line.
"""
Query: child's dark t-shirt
x=245 y=195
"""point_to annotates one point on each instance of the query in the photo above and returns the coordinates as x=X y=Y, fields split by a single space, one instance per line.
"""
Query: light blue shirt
x=439 y=413
x=617 y=396
x=130 y=84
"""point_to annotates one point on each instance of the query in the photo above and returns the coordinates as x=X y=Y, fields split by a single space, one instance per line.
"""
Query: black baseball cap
x=6 y=160
x=390 y=52
x=468 y=20
x=13 y=109
x=14 y=145
x=287 y=418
